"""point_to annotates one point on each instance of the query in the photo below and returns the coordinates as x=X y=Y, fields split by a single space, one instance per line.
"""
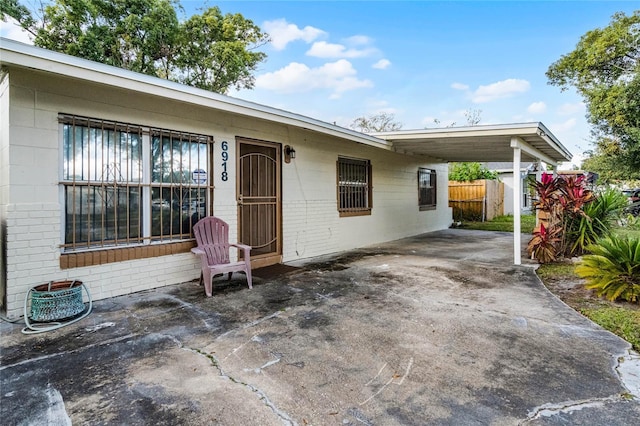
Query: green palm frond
x=613 y=268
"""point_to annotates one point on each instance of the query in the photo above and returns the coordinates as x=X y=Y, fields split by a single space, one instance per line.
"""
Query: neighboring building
x=505 y=174
x=103 y=172
x=528 y=171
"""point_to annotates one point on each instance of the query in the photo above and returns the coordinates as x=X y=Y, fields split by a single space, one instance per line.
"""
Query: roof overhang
x=481 y=143
x=477 y=143
x=14 y=54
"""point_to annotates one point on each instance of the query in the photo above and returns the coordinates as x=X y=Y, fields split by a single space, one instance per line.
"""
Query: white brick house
x=102 y=172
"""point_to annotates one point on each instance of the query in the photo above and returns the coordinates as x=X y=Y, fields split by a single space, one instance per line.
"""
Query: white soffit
x=480 y=143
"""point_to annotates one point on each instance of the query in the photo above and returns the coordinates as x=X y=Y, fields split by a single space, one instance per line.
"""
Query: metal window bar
x=353 y=185
x=102 y=176
x=180 y=155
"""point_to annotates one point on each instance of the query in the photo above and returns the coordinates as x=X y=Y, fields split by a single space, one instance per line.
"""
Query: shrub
x=613 y=268
x=466 y=172
x=544 y=244
x=562 y=200
x=599 y=216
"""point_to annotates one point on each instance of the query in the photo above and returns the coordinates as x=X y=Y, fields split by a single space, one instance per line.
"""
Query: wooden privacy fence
x=476 y=200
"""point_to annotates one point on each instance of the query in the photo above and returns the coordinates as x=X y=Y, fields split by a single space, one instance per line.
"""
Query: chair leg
x=208 y=285
x=249 y=278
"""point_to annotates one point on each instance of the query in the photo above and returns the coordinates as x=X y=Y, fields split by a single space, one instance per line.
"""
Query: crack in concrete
x=552 y=409
x=627 y=367
x=284 y=417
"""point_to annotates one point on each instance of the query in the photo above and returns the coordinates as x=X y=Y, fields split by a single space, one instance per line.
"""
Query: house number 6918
x=225 y=157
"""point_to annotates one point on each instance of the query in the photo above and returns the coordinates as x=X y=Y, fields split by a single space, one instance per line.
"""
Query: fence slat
x=476 y=200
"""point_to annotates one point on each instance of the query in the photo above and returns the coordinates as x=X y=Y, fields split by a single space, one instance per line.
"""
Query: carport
x=516 y=143
x=434 y=329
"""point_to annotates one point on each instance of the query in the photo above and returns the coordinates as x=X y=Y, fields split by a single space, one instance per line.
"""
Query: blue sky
x=422 y=60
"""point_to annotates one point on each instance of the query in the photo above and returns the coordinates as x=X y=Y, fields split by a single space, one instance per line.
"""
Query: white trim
x=424 y=141
x=517 y=201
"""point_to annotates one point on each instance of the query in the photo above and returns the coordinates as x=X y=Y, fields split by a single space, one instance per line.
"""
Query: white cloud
x=382 y=64
x=459 y=86
x=12 y=31
x=339 y=76
x=569 y=109
x=499 y=90
x=564 y=126
x=283 y=33
x=537 y=108
x=359 y=40
x=322 y=49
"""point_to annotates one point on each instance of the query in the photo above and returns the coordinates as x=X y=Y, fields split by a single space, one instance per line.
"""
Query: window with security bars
x=426 y=189
x=127 y=185
x=354 y=187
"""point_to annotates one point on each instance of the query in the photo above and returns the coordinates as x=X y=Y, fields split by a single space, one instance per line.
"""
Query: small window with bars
x=426 y=189
x=354 y=187
x=127 y=185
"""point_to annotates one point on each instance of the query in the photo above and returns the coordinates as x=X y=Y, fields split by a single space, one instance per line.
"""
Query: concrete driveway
x=438 y=329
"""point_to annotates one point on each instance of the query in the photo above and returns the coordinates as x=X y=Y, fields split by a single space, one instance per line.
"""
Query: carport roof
x=480 y=143
x=476 y=143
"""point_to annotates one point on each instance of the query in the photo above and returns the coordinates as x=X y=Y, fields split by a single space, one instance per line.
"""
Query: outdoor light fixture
x=289 y=153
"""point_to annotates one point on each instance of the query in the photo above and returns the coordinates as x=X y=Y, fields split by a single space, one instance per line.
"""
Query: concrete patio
x=437 y=329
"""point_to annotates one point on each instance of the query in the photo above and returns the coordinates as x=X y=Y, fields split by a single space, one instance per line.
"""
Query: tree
x=13 y=9
x=466 y=172
x=473 y=116
x=604 y=159
x=210 y=51
x=605 y=70
x=215 y=49
x=382 y=122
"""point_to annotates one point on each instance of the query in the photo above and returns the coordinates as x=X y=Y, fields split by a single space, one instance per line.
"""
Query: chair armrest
x=245 y=248
x=197 y=250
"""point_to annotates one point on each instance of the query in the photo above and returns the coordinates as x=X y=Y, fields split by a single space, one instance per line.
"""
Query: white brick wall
x=310 y=221
x=33 y=258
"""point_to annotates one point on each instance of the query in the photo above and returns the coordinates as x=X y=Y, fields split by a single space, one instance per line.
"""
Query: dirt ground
x=571 y=290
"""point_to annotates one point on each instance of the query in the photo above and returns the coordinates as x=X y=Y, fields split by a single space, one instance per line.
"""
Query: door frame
x=272 y=258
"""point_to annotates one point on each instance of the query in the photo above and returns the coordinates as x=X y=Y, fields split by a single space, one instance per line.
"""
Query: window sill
x=356 y=213
x=101 y=257
x=425 y=208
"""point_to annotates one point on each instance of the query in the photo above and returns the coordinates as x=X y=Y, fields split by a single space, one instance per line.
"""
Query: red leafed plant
x=560 y=200
x=547 y=192
x=544 y=244
x=573 y=195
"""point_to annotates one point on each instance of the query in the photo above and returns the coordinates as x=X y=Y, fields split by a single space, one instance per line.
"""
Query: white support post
x=517 y=203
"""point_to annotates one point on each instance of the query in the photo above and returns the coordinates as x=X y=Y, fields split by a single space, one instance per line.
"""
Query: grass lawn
x=621 y=318
x=627 y=232
x=503 y=223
